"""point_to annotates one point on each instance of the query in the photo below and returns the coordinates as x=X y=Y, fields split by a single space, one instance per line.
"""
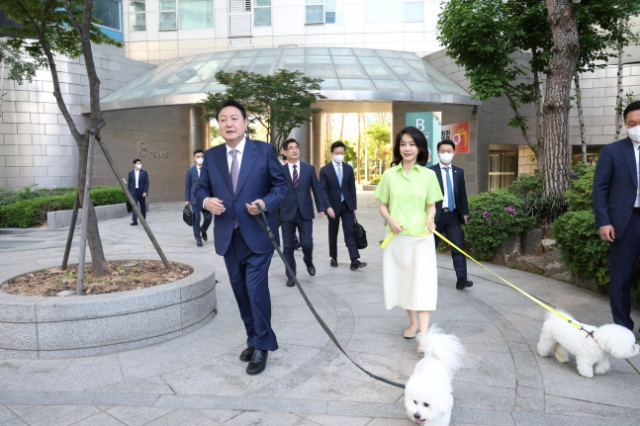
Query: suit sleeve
x=146 y=184
x=323 y=188
x=187 y=186
x=278 y=182
x=602 y=186
x=317 y=191
x=464 y=201
x=203 y=187
x=352 y=189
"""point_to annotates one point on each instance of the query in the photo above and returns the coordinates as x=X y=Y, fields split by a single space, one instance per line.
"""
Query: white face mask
x=139 y=166
x=338 y=158
x=199 y=160
x=634 y=133
x=445 y=157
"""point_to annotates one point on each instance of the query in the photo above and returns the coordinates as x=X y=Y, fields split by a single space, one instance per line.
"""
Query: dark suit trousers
x=449 y=225
x=348 y=229
x=305 y=228
x=208 y=217
x=623 y=255
x=248 y=274
x=141 y=201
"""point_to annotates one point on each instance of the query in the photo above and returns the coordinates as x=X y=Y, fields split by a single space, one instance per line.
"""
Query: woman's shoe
x=409 y=334
x=421 y=349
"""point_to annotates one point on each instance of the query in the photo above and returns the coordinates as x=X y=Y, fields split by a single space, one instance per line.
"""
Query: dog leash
x=513 y=286
x=265 y=227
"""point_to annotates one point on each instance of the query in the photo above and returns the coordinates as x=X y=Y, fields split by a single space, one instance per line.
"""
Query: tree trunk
x=619 y=90
x=583 y=139
x=557 y=102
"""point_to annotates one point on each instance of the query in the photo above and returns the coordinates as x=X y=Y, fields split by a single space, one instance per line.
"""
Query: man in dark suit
x=139 y=188
x=190 y=184
x=616 y=204
x=296 y=211
x=339 y=189
x=453 y=210
x=235 y=178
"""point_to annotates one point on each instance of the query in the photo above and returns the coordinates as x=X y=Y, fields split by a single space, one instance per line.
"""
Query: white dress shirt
x=443 y=172
x=636 y=146
x=291 y=169
x=137 y=174
x=199 y=168
x=337 y=166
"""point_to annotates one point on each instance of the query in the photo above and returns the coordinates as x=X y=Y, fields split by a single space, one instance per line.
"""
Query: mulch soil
x=49 y=282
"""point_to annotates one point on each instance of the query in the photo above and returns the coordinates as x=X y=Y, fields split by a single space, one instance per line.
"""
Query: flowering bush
x=493 y=216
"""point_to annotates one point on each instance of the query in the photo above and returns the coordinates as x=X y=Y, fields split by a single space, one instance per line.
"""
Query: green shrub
x=542 y=209
x=376 y=180
x=526 y=185
x=12 y=196
x=582 y=248
x=33 y=211
x=493 y=216
x=580 y=194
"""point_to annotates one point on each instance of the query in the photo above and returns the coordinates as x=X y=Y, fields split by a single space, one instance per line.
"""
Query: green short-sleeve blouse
x=408 y=196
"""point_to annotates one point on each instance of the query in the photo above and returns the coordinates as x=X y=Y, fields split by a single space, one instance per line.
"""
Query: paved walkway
x=198 y=380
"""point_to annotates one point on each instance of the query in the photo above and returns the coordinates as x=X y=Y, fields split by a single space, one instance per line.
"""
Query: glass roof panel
x=320 y=66
x=236 y=64
x=213 y=87
x=388 y=54
x=317 y=51
x=159 y=91
x=248 y=53
x=341 y=51
x=360 y=84
x=349 y=67
x=365 y=53
x=209 y=68
x=422 y=86
x=330 y=84
x=114 y=96
x=377 y=69
x=291 y=63
x=272 y=51
x=134 y=94
x=263 y=65
x=225 y=54
x=405 y=71
x=296 y=51
x=391 y=86
x=407 y=55
x=188 y=88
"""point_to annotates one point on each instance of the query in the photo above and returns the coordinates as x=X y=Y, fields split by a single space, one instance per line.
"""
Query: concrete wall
x=36 y=146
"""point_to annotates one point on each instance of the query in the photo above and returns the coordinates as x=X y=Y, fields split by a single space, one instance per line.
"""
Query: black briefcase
x=187 y=215
x=361 y=236
x=129 y=208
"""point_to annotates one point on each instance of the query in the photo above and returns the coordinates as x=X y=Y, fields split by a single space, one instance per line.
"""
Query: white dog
x=561 y=338
x=428 y=396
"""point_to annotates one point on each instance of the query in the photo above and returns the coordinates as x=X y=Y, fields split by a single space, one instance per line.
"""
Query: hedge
x=30 y=212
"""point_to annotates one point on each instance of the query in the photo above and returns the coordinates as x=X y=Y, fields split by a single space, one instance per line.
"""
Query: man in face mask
x=453 y=210
x=616 y=205
x=190 y=185
x=339 y=188
x=138 y=187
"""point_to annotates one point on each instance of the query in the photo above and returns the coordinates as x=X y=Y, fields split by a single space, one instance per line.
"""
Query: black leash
x=267 y=229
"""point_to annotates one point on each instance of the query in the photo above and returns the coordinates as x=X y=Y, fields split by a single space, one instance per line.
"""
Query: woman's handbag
x=187 y=215
x=361 y=236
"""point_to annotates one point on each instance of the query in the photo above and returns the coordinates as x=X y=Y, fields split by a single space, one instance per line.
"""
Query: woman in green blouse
x=408 y=193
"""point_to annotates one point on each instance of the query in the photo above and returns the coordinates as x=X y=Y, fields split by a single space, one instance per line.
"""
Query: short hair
x=633 y=106
x=288 y=141
x=136 y=160
x=421 y=142
x=198 y=151
x=446 y=142
x=338 y=144
x=232 y=103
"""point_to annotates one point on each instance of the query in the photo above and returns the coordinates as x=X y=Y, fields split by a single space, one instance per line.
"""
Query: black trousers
x=305 y=228
x=449 y=225
x=348 y=229
x=623 y=255
x=140 y=201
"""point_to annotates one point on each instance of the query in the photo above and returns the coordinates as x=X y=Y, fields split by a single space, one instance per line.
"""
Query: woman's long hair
x=421 y=142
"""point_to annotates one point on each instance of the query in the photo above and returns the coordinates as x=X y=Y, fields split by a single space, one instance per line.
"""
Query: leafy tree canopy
x=280 y=102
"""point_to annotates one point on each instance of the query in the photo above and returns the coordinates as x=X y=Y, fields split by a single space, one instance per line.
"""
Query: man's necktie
x=340 y=181
x=198 y=171
x=452 y=201
x=295 y=176
x=234 y=177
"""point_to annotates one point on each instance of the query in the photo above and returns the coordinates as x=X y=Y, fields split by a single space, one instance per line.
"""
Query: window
x=414 y=12
x=261 y=13
x=137 y=16
x=502 y=169
x=324 y=12
x=195 y=14
x=168 y=15
x=109 y=12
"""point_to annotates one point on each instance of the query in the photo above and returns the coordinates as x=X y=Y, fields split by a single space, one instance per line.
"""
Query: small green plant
x=376 y=180
x=579 y=196
x=543 y=209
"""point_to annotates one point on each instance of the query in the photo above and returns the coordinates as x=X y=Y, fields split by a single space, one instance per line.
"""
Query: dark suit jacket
x=300 y=198
x=190 y=185
x=260 y=177
x=459 y=191
x=143 y=182
x=332 y=190
x=614 y=185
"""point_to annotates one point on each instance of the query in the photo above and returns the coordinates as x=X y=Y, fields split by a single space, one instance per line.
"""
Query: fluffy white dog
x=428 y=396
x=561 y=338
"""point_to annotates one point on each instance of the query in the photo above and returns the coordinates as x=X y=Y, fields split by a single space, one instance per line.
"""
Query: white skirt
x=410 y=274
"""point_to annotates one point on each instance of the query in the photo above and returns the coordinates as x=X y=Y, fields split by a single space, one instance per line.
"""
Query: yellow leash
x=535 y=299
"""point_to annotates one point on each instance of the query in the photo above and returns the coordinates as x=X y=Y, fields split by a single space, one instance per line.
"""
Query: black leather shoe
x=356 y=264
x=461 y=285
x=258 y=362
x=311 y=269
x=199 y=243
x=247 y=354
x=334 y=262
x=291 y=282
x=134 y=223
x=204 y=236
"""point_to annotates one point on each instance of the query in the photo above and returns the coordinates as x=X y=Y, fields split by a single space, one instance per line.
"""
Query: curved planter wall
x=64 y=327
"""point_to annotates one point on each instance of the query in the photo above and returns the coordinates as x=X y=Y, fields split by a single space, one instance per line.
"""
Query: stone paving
x=198 y=379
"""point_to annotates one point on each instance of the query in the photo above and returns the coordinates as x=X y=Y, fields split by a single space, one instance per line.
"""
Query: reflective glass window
x=168 y=15
x=365 y=53
x=317 y=51
x=261 y=13
x=109 y=12
x=195 y=14
x=404 y=70
x=330 y=84
x=357 y=84
x=333 y=11
x=414 y=12
x=339 y=51
x=320 y=66
x=210 y=68
x=391 y=86
x=349 y=68
x=291 y=63
x=377 y=69
x=137 y=16
x=136 y=6
x=315 y=12
x=263 y=64
x=236 y=64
